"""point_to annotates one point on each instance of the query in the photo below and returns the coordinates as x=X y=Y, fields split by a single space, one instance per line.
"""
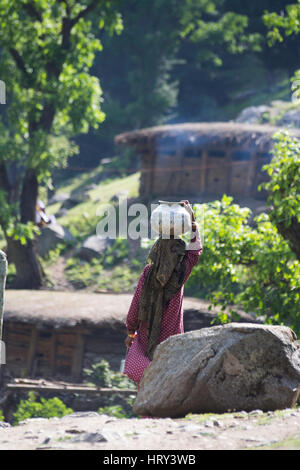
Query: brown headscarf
x=164 y=279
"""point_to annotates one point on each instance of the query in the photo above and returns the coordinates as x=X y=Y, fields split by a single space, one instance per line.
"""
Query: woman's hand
x=128 y=341
x=188 y=207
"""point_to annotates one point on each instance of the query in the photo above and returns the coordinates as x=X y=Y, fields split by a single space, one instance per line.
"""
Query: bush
x=101 y=375
x=115 y=410
x=117 y=405
x=251 y=267
x=31 y=408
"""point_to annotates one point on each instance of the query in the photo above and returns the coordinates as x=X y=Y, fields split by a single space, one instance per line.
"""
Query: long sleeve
x=194 y=250
x=132 y=321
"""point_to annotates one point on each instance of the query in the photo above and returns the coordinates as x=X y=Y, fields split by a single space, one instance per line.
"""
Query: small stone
x=242 y=414
x=256 y=412
x=217 y=423
x=3 y=424
x=74 y=431
x=209 y=424
x=90 y=437
x=82 y=414
x=46 y=440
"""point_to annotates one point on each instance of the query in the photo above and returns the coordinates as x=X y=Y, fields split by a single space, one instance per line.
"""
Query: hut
x=202 y=159
x=51 y=334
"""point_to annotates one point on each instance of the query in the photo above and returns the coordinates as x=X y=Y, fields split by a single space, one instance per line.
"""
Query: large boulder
x=228 y=367
x=51 y=235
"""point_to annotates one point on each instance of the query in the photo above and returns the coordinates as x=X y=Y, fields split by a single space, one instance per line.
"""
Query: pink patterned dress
x=172 y=320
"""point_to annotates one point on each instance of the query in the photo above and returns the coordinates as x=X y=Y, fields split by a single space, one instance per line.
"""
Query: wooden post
x=31 y=357
x=3 y=272
x=78 y=357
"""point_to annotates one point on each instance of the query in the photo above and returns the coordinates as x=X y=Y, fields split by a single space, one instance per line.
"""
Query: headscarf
x=164 y=279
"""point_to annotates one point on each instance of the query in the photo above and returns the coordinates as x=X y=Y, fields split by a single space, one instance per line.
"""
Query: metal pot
x=170 y=218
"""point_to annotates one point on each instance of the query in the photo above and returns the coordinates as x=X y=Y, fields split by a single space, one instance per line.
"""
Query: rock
x=50 y=236
x=252 y=115
x=60 y=197
x=90 y=437
x=93 y=247
x=75 y=199
x=234 y=366
x=61 y=213
x=119 y=196
x=82 y=414
x=256 y=412
x=290 y=118
x=3 y=424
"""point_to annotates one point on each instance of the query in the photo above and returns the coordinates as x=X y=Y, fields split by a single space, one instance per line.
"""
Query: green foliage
x=31 y=408
x=252 y=267
x=181 y=46
x=1 y=416
x=121 y=279
x=117 y=252
x=101 y=375
x=284 y=183
x=114 y=410
x=112 y=271
x=82 y=273
x=47 y=51
x=283 y=25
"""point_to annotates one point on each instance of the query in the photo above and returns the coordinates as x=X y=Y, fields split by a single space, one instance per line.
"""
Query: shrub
x=31 y=408
x=252 y=267
x=115 y=410
x=101 y=375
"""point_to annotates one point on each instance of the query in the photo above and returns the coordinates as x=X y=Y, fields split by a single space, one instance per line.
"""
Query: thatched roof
x=66 y=309
x=210 y=132
x=60 y=309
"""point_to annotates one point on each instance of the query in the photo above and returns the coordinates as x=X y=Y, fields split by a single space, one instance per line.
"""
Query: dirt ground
x=91 y=431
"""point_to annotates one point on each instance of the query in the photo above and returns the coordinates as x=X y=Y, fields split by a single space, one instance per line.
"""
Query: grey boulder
x=51 y=235
x=252 y=115
x=290 y=118
x=93 y=247
x=220 y=368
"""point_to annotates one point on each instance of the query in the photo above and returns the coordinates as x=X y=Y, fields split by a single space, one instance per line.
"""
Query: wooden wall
x=172 y=169
x=59 y=352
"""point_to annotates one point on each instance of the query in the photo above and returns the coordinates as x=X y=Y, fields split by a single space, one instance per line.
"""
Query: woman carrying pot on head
x=156 y=311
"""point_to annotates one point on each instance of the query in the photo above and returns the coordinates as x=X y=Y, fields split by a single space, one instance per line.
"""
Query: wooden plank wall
x=173 y=170
x=60 y=353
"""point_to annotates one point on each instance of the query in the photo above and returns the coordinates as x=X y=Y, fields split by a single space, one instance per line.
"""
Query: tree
x=284 y=169
x=246 y=266
x=47 y=50
x=144 y=69
x=3 y=270
x=284 y=188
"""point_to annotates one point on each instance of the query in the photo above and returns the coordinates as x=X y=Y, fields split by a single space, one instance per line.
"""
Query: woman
x=156 y=311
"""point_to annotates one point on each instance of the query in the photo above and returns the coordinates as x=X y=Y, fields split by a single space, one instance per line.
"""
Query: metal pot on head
x=170 y=219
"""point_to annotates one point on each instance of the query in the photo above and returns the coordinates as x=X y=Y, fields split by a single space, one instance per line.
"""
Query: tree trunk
x=3 y=270
x=291 y=234
x=29 y=272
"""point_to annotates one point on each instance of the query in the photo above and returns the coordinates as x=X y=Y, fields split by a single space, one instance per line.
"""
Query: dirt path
x=57 y=275
x=91 y=431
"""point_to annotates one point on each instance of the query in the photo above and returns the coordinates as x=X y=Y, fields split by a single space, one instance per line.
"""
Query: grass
x=114 y=271
x=291 y=443
x=82 y=219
